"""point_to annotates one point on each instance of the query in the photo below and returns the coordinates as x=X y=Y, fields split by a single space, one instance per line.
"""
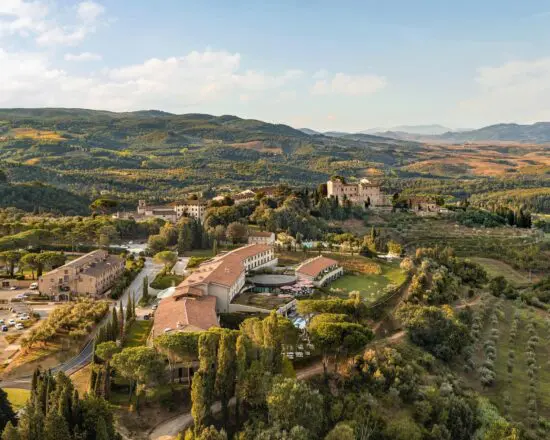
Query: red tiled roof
x=224 y=269
x=185 y=314
x=315 y=266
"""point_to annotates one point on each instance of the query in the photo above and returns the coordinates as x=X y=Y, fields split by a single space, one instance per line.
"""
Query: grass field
x=81 y=379
x=137 y=334
x=371 y=286
x=497 y=268
x=17 y=397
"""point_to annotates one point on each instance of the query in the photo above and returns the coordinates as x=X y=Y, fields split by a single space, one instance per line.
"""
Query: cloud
x=514 y=91
x=21 y=17
x=29 y=79
x=84 y=56
x=36 y=19
x=349 y=85
x=89 y=12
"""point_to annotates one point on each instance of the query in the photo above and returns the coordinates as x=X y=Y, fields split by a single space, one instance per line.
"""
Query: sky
x=326 y=65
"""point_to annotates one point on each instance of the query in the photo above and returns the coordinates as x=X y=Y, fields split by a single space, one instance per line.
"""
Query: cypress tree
x=145 y=291
x=114 y=324
x=56 y=427
x=10 y=433
x=121 y=316
x=6 y=411
x=101 y=432
x=129 y=310
x=225 y=373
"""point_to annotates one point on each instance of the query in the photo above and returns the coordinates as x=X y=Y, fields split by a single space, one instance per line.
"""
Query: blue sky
x=348 y=65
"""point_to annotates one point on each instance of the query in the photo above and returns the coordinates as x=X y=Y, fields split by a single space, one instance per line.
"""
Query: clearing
x=497 y=268
x=370 y=286
x=138 y=333
x=17 y=397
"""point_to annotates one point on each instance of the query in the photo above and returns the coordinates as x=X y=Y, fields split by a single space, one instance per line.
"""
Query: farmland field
x=514 y=387
x=497 y=268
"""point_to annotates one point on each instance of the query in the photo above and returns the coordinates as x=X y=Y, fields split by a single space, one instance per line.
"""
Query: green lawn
x=137 y=335
x=162 y=282
x=18 y=398
x=371 y=286
x=497 y=268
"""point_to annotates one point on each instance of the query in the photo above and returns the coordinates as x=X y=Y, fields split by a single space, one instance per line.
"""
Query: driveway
x=181 y=266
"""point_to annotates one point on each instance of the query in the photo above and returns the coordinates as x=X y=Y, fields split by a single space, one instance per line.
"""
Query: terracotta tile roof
x=98 y=268
x=185 y=315
x=225 y=269
x=315 y=266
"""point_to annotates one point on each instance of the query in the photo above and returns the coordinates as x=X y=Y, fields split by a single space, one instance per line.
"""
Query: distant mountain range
x=433 y=129
x=538 y=133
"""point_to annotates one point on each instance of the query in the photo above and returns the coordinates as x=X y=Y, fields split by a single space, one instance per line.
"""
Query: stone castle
x=364 y=193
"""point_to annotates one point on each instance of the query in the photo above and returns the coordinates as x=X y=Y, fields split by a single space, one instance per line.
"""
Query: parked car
x=146 y=317
x=1 y=321
x=23 y=318
x=33 y=286
x=14 y=288
x=19 y=326
x=154 y=307
x=4 y=328
x=11 y=322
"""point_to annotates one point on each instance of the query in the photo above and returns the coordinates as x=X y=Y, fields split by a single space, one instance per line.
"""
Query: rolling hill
x=162 y=156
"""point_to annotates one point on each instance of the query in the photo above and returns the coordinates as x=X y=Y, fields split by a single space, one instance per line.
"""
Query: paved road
x=85 y=356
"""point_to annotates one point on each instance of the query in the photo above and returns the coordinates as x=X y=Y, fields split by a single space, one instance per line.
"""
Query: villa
x=90 y=274
x=209 y=289
x=319 y=270
x=261 y=237
x=173 y=211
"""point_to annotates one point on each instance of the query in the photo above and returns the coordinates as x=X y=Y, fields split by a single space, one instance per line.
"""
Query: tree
x=56 y=427
x=103 y=206
x=341 y=431
x=237 y=232
x=434 y=328
x=334 y=336
x=168 y=258
x=10 y=259
x=226 y=371
x=101 y=430
x=6 y=412
x=114 y=324
x=291 y=403
x=145 y=291
x=156 y=243
x=50 y=260
x=200 y=408
x=31 y=261
x=10 y=433
x=105 y=351
x=140 y=365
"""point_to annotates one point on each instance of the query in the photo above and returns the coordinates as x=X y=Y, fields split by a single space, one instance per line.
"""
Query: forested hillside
x=161 y=156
